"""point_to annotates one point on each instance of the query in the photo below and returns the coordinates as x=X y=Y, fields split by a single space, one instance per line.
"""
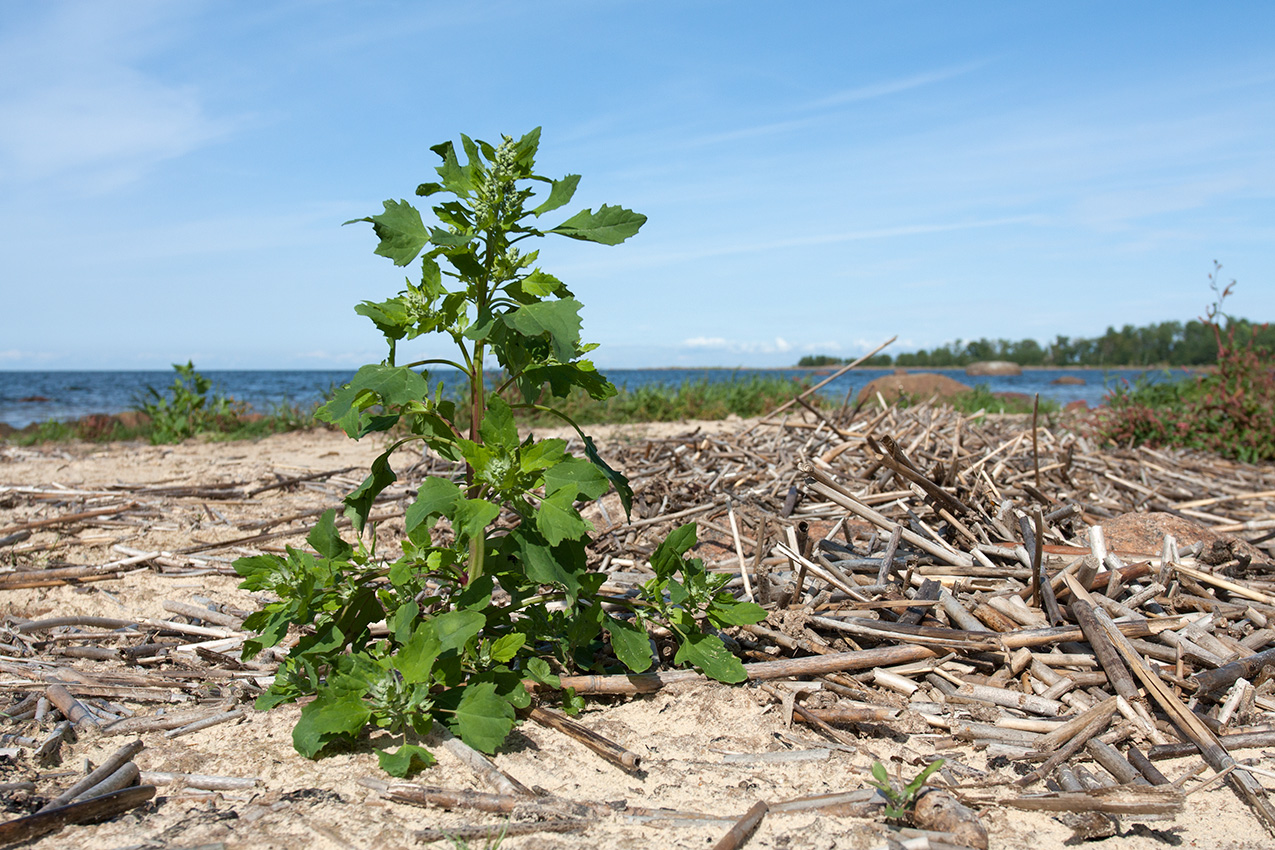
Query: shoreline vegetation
x=1161 y=345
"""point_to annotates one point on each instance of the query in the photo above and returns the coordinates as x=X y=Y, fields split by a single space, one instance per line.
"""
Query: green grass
x=982 y=398
x=744 y=397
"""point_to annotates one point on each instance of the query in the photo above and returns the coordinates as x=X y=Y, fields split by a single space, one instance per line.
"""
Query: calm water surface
x=27 y=397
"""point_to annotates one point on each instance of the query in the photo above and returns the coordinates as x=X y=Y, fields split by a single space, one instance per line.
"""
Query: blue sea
x=30 y=396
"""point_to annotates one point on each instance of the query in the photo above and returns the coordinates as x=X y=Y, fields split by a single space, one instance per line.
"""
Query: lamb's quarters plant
x=493 y=587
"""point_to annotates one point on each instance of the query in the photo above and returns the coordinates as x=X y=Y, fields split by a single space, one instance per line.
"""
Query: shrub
x=1229 y=411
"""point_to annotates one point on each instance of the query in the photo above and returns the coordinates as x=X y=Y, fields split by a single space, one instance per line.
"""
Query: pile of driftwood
x=1079 y=615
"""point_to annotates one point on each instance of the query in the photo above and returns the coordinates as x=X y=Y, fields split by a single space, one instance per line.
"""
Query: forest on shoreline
x=1161 y=344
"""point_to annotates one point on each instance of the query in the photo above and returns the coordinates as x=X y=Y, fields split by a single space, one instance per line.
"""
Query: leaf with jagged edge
x=328 y=718
x=617 y=479
x=558 y=320
x=711 y=657
x=560 y=194
x=608 y=226
x=401 y=231
x=483 y=719
x=405 y=761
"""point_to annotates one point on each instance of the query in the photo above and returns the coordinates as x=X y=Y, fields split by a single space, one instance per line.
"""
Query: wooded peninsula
x=1162 y=344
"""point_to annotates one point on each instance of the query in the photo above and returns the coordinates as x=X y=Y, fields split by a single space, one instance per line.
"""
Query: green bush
x=1229 y=411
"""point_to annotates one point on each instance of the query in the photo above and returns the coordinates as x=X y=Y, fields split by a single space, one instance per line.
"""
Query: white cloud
x=778 y=345
x=75 y=103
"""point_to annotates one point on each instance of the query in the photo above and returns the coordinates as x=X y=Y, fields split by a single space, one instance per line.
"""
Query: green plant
x=900 y=799
x=1229 y=411
x=493 y=585
x=187 y=409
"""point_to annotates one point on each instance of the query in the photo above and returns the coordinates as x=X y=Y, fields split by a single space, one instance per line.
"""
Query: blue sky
x=173 y=175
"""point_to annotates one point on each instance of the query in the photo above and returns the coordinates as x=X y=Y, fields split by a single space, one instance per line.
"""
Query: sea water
x=32 y=396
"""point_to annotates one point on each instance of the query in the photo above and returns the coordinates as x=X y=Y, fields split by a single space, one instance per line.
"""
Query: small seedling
x=900 y=799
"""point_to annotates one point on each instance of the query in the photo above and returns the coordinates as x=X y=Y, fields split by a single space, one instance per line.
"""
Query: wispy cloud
x=77 y=103
x=885 y=88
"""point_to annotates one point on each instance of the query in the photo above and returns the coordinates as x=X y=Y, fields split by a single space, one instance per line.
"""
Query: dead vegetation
x=1077 y=632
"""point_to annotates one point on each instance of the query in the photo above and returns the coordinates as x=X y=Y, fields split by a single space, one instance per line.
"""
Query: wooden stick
x=738 y=834
x=818 y=386
x=605 y=747
x=87 y=811
x=113 y=763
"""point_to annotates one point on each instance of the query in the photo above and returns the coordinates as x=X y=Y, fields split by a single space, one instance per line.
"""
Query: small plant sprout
x=900 y=799
x=493 y=588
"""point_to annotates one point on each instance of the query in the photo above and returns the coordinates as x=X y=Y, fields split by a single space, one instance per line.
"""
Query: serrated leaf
x=455 y=177
x=506 y=647
x=711 y=657
x=401 y=231
x=326 y=719
x=415 y=659
x=376 y=383
x=538 y=670
x=562 y=565
x=483 y=719
x=434 y=498
x=498 y=427
x=540 y=284
x=608 y=226
x=470 y=517
x=326 y=540
x=560 y=193
x=558 y=520
x=630 y=642
x=559 y=321
x=454 y=628
x=389 y=316
x=405 y=761
x=577 y=474
x=542 y=454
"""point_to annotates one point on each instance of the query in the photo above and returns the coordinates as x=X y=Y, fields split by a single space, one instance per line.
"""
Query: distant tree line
x=1163 y=344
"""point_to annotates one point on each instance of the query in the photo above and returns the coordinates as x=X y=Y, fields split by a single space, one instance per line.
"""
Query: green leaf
x=710 y=655
x=562 y=565
x=540 y=284
x=327 y=541
x=579 y=475
x=617 y=479
x=390 y=316
x=630 y=642
x=326 y=719
x=506 y=647
x=609 y=226
x=392 y=386
x=483 y=719
x=538 y=671
x=435 y=497
x=401 y=231
x=560 y=193
x=557 y=320
x=498 y=427
x=667 y=557
x=723 y=612
x=358 y=504
x=471 y=517
x=455 y=628
x=455 y=177
x=557 y=518
x=408 y=759
x=415 y=659
x=542 y=454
